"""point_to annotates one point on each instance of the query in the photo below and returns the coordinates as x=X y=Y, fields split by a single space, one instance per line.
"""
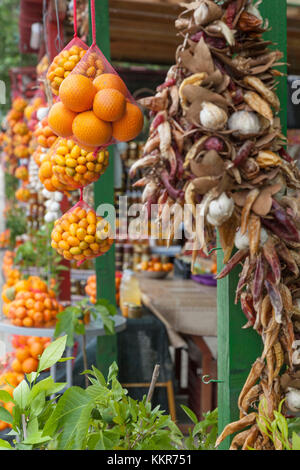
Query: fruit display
x=75 y=166
x=7 y=264
x=22 y=173
x=63 y=64
x=26 y=353
x=30 y=303
x=80 y=234
x=91 y=288
x=4 y=238
x=95 y=107
x=23 y=194
x=44 y=135
x=9 y=379
x=155 y=264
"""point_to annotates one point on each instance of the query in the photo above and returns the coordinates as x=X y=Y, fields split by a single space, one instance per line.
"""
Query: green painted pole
x=104 y=193
x=238 y=348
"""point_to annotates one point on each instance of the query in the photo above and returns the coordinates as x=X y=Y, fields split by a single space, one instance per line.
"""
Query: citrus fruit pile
x=44 y=134
x=76 y=167
x=95 y=112
x=4 y=238
x=7 y=266
x=80 y=234
x=91 y=288
x=47 y=176
x=21 y=173
x=27 y=352
x=62 y=66
x=23 y=194
x=30 y=303
x=8 y=381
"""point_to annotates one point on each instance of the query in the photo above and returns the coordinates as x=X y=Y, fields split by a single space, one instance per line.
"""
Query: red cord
x=93 y=17
x=81 y=194
x=75 y=18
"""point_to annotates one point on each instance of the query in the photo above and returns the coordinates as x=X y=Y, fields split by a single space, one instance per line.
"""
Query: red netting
x=75 y=166
x=80 y=234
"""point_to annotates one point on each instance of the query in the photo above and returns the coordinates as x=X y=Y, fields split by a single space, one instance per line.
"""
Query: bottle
x=129 y=291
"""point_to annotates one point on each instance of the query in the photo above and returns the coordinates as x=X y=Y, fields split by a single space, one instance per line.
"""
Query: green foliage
x=16 y=222
x=205 y=432
x=9 y=46
x=11 y=184
x=71 y=320
x=282 y=432
x=100 y=417
x=37 y=252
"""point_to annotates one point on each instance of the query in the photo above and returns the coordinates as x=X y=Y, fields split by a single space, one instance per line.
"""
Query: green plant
x=205 y=432
x=16 y=222
x=282 y=432
x=71 y=320
x=100 y=417
x=11 y=184
x=33 y=253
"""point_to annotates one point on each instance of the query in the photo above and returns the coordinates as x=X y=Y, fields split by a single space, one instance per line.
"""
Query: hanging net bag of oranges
x=76 y=166
x=66 y=60
x=95 y=107
x=80 y=234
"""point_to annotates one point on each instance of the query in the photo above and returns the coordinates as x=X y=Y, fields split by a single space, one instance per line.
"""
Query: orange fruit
x=109 y=104
x=61 y=119
x=29 y=365
x=16 y=365
x=130 y=125
x=27 y=322
x=36 y=349
x=77 y=93
x=110 y=80
x=90 y=130
x=22 y=354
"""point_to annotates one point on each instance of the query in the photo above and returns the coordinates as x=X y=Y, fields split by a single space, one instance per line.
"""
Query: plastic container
x=130 y=292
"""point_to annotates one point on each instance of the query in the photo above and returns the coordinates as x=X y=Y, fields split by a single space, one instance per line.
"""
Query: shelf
x=164 y=251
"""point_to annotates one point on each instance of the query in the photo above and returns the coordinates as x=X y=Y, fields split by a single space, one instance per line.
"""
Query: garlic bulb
x=244 y=122
x=242 y=241
x=201 y=14
x=254 y=11
x=212 y=116
x=220 y=210
x=42 y=113
x=293 y=399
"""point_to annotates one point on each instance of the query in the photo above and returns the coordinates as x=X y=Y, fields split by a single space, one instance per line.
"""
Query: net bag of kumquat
x=76 y=166
x=66 y=60
x=95 y=108
x=80 y=234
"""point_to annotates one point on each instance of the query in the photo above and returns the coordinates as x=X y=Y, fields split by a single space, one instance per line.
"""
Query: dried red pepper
x=233 y=262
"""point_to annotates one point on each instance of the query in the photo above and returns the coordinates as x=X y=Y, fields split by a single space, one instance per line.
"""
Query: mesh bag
x=95 y=107
x=80 y=234
x=46 y=174
x=75 y=166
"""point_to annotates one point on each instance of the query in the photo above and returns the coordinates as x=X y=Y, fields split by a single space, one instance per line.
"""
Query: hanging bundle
x=95 y=107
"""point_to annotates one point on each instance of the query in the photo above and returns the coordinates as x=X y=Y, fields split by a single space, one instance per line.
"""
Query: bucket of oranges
x=80 y=234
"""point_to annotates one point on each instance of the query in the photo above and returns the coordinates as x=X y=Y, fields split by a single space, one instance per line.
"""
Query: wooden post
x=237 y=348
x=104 y=193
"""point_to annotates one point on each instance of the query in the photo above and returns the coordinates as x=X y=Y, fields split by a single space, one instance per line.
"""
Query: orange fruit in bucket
x=109 y=104
x=88 y=129
x=110 y=80
x=130 y=125
x=77 y=93
x=60 y=119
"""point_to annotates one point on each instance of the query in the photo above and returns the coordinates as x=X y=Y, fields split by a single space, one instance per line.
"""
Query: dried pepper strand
x=233 y=262
x=275 y=299
x=258 y=280
x=248 y=308
x=271 y=256
x=243 y=152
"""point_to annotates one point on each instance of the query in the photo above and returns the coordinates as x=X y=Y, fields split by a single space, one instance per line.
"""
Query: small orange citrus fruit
x=130 y=125
x=109 y=104
x=77 y=93
x=60 y=120
x=90 y=130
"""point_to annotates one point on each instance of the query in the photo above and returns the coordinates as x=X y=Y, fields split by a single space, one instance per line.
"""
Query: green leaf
x=36 y=438
x=295 y=441
x=4 y=445
x=32 y=377
x=190 y=414
x=52 y=353
x=112 y=372
x=37 y=404
x=46 y=385
x=71 y=416
x=5 y=396
x=65 y=359
x=21 y=394
x=5 y=416
x=99 y=376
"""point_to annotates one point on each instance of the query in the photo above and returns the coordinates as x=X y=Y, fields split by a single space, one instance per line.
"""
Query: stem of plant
x=24 y=425
x=85 y=361
x=154 y=379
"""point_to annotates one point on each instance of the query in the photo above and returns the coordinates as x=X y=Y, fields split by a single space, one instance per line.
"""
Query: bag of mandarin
x=76 y=166
x=80 y=234
x=95 y=108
